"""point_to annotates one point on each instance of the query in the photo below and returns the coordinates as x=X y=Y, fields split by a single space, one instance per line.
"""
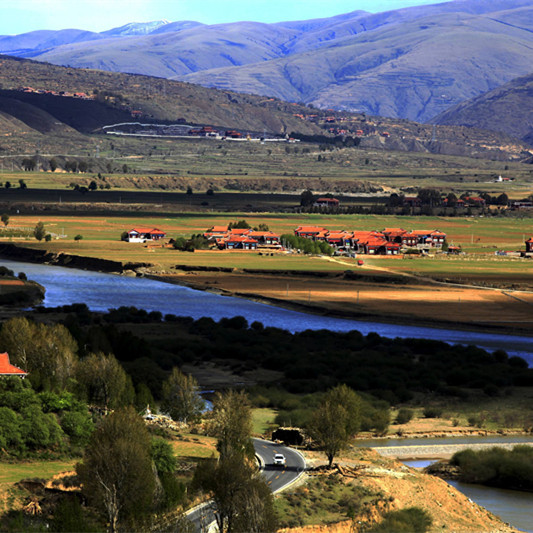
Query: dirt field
x=412 y=303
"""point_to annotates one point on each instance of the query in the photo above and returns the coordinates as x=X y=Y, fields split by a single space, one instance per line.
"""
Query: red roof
x=239 y=238
x=7 y=369
x=147 y=230
x=328 y=200
x=218 y=229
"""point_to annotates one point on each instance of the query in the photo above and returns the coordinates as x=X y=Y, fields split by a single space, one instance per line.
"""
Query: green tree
x=47 y=352
x=232 y=423
x=39 y=232
x=104 y=382
x=116 y=473
x=180 y=397
x=430 y=197
x=53 y=164
x=22 y=184
x=307 y=198
x=451 y=200
x=239 y=224
x=28 y=164
x=78 y=237
x=336 y=420
x=503 y=199
x=5 y=219
x=78 y=425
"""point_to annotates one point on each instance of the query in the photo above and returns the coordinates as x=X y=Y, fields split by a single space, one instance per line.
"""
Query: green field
x=480 y=237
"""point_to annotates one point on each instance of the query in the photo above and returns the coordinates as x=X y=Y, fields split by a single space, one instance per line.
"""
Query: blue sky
x=20 y=16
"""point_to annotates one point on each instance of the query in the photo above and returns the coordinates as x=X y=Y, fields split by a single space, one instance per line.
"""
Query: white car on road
x=279 y=459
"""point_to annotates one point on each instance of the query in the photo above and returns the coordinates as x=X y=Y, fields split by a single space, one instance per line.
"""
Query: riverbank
x=372 y=295
x=411 y=304
x=388 y=486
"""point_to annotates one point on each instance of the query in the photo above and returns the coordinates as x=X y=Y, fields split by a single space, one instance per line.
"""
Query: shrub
x=78 y=425
x=432 y=412
x=512 y=469
x=404 y=415
x=411 y=520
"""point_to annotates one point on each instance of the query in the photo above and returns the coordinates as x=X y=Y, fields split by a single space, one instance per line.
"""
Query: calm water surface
x=104 y=291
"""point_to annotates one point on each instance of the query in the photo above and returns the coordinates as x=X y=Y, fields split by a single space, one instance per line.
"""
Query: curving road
x=277 y=478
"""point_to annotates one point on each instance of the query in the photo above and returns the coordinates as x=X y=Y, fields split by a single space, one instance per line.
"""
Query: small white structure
x=145 y=234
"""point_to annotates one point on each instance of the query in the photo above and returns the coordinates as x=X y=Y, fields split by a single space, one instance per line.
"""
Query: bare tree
x=116 y=472
x=244 y=503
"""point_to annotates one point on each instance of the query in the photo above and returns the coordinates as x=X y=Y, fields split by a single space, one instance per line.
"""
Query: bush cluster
x=498 y=467
x=34 y=423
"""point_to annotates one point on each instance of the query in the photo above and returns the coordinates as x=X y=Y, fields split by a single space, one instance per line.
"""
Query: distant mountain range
x=410 y=63
x=507 y=109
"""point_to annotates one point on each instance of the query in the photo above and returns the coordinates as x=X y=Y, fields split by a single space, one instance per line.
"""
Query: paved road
x=277 y=479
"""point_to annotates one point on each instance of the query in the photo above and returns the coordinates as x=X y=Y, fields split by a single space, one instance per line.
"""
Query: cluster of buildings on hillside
x=82 y=96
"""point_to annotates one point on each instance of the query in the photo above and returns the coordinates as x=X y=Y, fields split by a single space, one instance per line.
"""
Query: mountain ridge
x=409 y=63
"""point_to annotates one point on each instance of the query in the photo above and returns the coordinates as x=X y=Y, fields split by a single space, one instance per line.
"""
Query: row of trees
x=307 y=246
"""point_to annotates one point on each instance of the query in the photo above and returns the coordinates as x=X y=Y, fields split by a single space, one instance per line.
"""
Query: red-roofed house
x=394 y=234
x=145 y=234
x=309 y=232
x=433 y=238
x=216 y=232
x=474 y=201
x=7 y=369
x=529 y=246
x=240 y=231
x=326 y=202
x=237 y=242
x=265 y=237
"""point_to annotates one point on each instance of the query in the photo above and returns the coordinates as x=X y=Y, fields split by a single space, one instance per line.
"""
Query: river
x=104 y=291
